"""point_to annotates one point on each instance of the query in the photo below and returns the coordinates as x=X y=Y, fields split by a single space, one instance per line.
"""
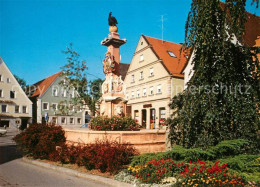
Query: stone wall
x=146 y=141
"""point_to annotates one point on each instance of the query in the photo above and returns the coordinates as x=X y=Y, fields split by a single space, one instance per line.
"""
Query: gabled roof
x=44 y=84
x=5 y=68
x=161 y=48
x=123 y=68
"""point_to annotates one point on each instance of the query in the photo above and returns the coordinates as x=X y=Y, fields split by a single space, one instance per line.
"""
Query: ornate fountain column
x=113 y=89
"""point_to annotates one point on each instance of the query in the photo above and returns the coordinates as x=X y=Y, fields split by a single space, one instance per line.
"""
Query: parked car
x=3 y=132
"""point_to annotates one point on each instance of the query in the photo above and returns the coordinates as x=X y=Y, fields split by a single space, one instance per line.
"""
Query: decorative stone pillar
x=113 y=89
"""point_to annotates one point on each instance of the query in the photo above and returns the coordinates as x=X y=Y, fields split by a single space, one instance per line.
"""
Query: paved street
x=15 y=172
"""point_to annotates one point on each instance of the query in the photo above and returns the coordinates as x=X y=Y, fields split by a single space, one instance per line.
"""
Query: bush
x=106 y=156
x=243 y=163
x=177 y=153
x=223 y=149
x=40 y=141
x=230 y=147
x=103 y=123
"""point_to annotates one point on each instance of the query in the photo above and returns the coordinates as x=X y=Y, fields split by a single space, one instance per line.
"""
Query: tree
x=220 y=102
x=75 y=78
x=22 y=82
x=95 y=94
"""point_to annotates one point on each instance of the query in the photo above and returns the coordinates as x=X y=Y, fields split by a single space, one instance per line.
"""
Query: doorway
x=144 y=118
x=4 y=123
x=152 y=118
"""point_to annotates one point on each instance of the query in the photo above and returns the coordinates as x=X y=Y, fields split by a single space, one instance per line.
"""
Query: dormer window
x=8 y=80
x=171 y=54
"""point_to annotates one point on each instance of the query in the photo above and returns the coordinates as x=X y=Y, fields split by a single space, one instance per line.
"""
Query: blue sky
x=34 y=32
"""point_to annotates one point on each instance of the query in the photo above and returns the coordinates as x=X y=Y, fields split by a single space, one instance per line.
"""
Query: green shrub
x=116 y=123
x=243 y=163
x=230 y=147
x=177 y=153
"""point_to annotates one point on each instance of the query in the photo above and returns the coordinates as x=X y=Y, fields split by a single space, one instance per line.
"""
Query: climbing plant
x=220 y=101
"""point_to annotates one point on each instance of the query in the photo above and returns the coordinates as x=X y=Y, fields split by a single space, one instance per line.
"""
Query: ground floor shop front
x=151 y=115
x=14 y=122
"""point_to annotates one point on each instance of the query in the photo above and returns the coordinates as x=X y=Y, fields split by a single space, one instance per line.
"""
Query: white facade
x=15 y=106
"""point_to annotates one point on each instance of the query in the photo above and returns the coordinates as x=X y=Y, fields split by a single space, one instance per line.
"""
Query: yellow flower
x=193 y=174
x=183 y=183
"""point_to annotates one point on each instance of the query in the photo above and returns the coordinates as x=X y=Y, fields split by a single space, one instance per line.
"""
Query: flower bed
x=103 y=123
x=193 y=173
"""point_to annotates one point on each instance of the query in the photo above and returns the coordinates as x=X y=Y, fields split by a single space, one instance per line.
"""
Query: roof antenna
x=162 y=27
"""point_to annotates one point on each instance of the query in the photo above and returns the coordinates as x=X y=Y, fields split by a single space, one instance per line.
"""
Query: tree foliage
x=220 y=102
x=22 y=82
x=75 y=71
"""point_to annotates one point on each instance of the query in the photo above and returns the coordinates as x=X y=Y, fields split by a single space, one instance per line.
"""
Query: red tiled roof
x=252 y=30
x=161 y=49
x=44 y=84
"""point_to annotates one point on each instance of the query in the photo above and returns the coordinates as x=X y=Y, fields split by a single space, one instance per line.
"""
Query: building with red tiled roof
x=250 y=38
x=153 y=78
x=53 y=102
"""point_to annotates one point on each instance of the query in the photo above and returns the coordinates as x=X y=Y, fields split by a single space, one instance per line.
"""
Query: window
x=136 y=115
x=151 y=90
x=144 y=92
x=1 y=93
x=71 y=120
x=64 y=93
x=45 y=106
x=17 y=109
x=72 y=94
x=54 y=106
x=141 y=75
x=24 y=109
x=8 y=80
x=151 y=72
x=12 y=94
x=133 y=94
x=54 y=120
x=71 y=108
x=162 y=112
x=79 y=120
x=63 y=120
x=4 y=108
x=1 y=78
x=133 y=78
x=126 y=95
x=141 y=58
x=78 y=108
x=62 y=106
x=159 y=88
x=138 y=93
x=54 y=92
x=171 y=54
